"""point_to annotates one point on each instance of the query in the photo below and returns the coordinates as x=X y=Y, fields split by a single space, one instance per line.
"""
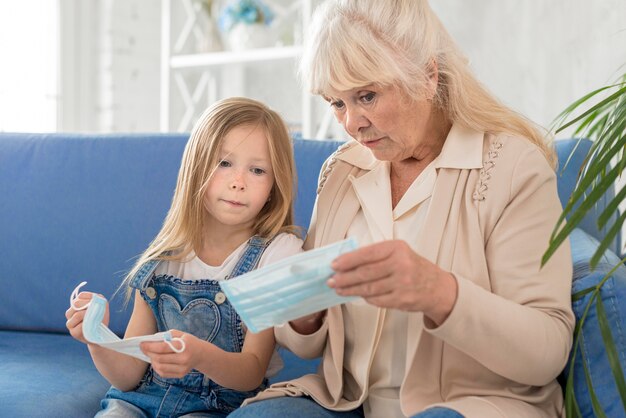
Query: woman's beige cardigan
x=509 y=334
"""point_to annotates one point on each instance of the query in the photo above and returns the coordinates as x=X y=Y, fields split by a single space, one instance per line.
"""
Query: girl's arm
x=122 y=371
x=238 y=371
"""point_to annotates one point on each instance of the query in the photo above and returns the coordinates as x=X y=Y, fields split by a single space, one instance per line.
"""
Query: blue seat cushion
x=591 y=353
x=54 y=376
x=58 y=379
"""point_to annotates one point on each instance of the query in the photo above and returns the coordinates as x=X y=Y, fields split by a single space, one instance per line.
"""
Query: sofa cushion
x=47 y=375
x=77 y=207
x=568 y=172
x=55 y=376
x=592 y=353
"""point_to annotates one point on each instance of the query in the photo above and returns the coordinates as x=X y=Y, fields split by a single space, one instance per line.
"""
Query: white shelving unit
x=195 y=80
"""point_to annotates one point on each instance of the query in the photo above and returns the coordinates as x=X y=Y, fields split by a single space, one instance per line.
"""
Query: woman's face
x=388 y=122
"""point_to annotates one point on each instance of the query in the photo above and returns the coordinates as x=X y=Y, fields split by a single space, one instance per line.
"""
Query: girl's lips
x=233 y=203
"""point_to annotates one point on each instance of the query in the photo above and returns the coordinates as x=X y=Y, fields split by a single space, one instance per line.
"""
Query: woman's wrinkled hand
x=390 y=274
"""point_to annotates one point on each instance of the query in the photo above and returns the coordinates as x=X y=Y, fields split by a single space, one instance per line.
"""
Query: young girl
x=231 y=212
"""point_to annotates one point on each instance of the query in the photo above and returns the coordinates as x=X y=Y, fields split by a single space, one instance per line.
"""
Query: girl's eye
x=367 y=98
x=257 y=171
x=224 y=163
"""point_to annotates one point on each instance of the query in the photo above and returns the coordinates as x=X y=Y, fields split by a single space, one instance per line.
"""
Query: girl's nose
x=237 y=183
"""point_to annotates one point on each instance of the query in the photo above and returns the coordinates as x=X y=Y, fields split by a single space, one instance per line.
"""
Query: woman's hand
x=390 y=274
x=170 y=364
x=75 y=316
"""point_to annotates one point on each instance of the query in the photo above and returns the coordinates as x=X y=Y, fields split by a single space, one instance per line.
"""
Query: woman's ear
x=433 y=79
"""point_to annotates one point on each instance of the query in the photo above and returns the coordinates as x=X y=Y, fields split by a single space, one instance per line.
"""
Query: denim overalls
x=196 y=307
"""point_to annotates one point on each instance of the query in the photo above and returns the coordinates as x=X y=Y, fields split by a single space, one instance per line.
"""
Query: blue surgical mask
x=289 y=289
x=96 y=332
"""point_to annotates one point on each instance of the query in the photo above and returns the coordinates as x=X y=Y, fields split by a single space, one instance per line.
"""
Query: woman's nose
x=354 y=121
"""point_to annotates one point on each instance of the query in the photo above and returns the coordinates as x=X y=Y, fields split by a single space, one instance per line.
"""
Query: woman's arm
x=521 y=326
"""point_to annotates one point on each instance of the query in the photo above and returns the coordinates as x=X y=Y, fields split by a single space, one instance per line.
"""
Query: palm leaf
x=599 y=106
x=595 y=403
x=571 y=405
x=604 y=123
x=595 y=178
x=607 y=241
x=611 y=351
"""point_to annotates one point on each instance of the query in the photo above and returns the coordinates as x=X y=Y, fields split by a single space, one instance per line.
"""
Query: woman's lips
x=371 y=143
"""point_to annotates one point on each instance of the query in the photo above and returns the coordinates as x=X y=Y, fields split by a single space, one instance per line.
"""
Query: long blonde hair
x=354 y=43
x=182 y=229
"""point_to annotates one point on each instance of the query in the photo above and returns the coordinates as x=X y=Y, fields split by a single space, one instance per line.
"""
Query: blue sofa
x=79 y=207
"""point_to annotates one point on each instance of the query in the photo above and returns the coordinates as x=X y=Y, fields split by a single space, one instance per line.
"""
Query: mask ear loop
x=178 y=340
x=74 y=296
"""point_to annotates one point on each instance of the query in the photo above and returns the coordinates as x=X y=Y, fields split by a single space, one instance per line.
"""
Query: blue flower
x=244 y=11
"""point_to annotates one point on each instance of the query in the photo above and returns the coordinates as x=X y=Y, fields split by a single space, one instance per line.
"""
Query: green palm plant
x=603 y=121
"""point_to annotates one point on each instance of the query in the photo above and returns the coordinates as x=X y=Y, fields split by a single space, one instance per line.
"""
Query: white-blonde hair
x=355 y=43
x=182 y=229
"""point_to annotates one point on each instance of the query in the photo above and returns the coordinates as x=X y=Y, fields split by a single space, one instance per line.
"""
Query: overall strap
x=252 y=254
x=142 y=277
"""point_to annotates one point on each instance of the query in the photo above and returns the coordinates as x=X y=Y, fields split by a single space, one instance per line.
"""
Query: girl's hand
x=390 y=274
x=76 y=316
x=169 y=364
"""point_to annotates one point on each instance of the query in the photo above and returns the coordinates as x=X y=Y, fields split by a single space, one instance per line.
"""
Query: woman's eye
x=257 y=171
x=224 y=163
x=338 y=104
x=367 y=98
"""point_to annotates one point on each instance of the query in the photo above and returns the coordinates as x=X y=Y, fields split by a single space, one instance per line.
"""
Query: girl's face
x=242 y=181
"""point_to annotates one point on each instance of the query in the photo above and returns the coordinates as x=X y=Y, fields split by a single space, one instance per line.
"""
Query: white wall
x=128 y=65
x=537 y=56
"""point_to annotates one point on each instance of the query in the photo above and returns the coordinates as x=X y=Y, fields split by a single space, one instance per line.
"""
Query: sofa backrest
x=82 y=207
x=568 y=171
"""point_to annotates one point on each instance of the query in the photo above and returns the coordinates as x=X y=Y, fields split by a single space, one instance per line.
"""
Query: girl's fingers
x=156 y=347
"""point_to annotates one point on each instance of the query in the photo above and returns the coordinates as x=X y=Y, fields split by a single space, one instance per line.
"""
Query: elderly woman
x=452 y=197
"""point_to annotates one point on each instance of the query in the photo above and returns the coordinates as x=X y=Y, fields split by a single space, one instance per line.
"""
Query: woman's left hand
x=390 y=274
x=166 y=362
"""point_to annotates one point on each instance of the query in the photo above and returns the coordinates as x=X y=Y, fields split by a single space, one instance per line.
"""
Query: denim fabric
x=592 y=353
x=196 y=307
x=287 y=407
x=305 y=407
x=438 y=412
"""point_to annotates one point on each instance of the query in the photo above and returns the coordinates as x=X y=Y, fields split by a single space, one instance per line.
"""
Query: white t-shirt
x=283 y=245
